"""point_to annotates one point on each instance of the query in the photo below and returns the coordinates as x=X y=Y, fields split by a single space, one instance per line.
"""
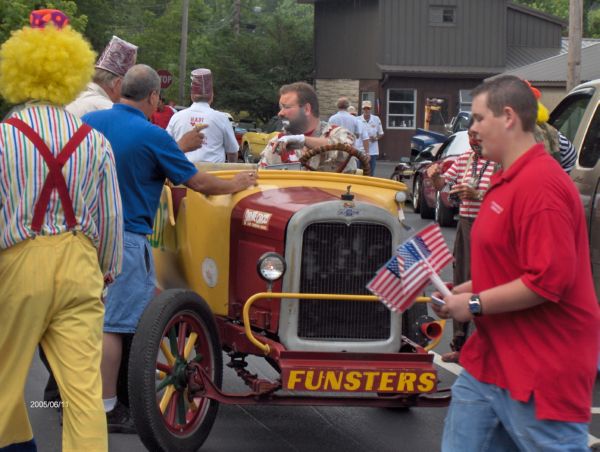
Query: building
x=550 y=75
x=398 y=53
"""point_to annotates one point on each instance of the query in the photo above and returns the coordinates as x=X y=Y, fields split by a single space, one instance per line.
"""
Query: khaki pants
x=50 y=293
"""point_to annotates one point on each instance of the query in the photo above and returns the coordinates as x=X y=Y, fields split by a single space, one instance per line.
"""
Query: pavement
x=274 y=429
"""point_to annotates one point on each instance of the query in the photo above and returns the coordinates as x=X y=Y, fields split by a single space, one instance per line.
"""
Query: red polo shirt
x=531 y=226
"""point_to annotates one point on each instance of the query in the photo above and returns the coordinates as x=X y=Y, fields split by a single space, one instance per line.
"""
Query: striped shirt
x=568 y=154
x=90 y=175
x=461 y=172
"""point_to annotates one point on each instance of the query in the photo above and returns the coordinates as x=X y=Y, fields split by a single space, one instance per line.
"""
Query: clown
x=61 y=231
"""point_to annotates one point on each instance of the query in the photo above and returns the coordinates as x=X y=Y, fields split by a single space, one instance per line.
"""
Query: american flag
x=401 y=279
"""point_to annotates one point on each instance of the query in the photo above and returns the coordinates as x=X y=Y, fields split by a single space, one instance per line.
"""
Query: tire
x=416 y=195
x=427 y=213
x=176 y=430
x=246 y=154
x=443 y=215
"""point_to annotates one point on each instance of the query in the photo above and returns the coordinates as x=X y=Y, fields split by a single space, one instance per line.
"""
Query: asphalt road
x=276 y=429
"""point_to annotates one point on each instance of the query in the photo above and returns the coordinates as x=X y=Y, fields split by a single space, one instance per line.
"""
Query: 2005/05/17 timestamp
x=48 y=404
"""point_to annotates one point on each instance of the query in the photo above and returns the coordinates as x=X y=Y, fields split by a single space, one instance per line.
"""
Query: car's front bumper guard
x=266 y=349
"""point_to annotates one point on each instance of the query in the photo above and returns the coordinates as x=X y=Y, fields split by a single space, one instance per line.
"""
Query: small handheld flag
x=417 y=263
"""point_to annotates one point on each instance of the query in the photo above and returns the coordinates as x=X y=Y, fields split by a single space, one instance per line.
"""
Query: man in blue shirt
x=145 y=155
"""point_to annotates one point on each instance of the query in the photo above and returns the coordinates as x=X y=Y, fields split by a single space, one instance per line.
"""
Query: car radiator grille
x=340 y=258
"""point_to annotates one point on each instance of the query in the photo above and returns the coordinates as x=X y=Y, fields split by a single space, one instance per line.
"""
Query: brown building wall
x=396 y=142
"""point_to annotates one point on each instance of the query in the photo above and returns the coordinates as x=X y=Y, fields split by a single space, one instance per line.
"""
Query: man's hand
x=190 y=141
x=244 y=180
x=456 y=307
x=433 y=170
x=287 y=139
x=465 y=191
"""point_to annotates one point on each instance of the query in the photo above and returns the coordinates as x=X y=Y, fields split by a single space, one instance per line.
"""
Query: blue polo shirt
x=145 y=156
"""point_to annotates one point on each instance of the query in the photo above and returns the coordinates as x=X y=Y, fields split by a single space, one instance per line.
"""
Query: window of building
x=370 y=96
x=401 y=108
x=442 y=15
x=465 y=100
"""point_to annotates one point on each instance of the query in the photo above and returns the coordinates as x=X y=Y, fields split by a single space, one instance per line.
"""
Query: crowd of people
x=87 y=166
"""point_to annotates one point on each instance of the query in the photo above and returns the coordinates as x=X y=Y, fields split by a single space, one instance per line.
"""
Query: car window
x=445 y=147
x=567 y=115
x=462 y=123
x=590 y=149
x=274 y=125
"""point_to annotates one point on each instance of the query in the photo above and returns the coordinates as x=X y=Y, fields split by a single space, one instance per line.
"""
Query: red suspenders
x=55 y=178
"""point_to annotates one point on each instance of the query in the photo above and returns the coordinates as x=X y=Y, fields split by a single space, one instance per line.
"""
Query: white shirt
x=93 y=98
x=344 y=119
x=219 y=135
x=374 y=129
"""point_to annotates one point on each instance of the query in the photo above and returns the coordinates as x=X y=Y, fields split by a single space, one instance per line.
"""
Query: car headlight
x=271 y=266
x=400 y=197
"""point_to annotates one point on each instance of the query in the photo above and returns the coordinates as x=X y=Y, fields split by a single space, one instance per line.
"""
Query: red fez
x=202 y=82
x=42 y=17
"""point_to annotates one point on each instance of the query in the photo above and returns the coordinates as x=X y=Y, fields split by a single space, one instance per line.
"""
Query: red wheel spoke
x=172 y=410
x=183 y=327
x=164 y=367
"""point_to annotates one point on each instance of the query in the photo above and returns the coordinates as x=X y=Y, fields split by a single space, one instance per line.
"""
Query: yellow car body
x=253 y=143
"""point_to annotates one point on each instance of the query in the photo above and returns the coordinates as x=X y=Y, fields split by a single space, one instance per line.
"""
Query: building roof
x=553 y=71
x=436 y=70
x=537 y=13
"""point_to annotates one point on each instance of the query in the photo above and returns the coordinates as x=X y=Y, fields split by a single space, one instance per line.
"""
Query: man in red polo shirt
x=530 y=367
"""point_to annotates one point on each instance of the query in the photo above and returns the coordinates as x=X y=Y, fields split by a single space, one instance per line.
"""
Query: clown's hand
x=288 y=139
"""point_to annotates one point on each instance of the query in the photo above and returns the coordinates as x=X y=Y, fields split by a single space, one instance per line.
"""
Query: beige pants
x=50 y=293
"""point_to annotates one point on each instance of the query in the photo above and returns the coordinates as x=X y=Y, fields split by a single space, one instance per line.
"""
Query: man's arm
x=509 y=297
x=212 y=185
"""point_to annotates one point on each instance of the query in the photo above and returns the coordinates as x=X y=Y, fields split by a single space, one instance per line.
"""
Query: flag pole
x=433 y=276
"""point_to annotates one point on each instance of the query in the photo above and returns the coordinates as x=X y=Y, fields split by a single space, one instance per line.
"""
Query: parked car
x=277 y=272
x=424 y=138
x=253 y=143
x=405 y=171
x=577 y=117
x=432 y=203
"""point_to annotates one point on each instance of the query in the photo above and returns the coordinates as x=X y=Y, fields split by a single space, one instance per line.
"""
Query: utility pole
x=183 y=51
x=237 y=11
x=575 y=37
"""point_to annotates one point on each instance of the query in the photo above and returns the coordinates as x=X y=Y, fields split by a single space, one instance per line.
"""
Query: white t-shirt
x=374 y=128
x=219 y=135
x=92 y=98
x=347 y=121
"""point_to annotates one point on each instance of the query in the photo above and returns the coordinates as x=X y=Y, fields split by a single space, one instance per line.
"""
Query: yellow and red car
x=277 y=271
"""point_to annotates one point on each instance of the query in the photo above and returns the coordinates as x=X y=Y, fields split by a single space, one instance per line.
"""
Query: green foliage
x=560 y=8
x=274 y=45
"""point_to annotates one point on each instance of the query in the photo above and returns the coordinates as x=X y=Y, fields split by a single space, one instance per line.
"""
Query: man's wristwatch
x=475 y=305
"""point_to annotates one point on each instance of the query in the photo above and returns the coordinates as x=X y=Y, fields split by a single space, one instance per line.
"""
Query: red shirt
x=162 y=118
x=531 y=226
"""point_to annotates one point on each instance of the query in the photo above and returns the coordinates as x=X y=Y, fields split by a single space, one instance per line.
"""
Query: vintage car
x=432 y=203
x=577 y=116
x=277 y=271
x=254 y=142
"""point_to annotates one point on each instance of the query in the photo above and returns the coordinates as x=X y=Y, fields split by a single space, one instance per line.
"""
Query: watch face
x=475 y=306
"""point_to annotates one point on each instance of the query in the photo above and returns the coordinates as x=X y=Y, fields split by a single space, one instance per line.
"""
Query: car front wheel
x=416 y=195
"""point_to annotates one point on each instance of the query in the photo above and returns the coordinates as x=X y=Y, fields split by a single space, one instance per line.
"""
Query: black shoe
x=119 y=420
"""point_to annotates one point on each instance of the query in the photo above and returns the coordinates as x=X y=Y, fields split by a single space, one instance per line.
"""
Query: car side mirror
x=448 y=128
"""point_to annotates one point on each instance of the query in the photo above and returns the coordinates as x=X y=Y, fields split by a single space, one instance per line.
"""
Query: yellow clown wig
x=47 y=64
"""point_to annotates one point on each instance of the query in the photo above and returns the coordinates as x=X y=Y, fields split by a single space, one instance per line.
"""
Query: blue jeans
x=373 y=162
x=483 y=417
